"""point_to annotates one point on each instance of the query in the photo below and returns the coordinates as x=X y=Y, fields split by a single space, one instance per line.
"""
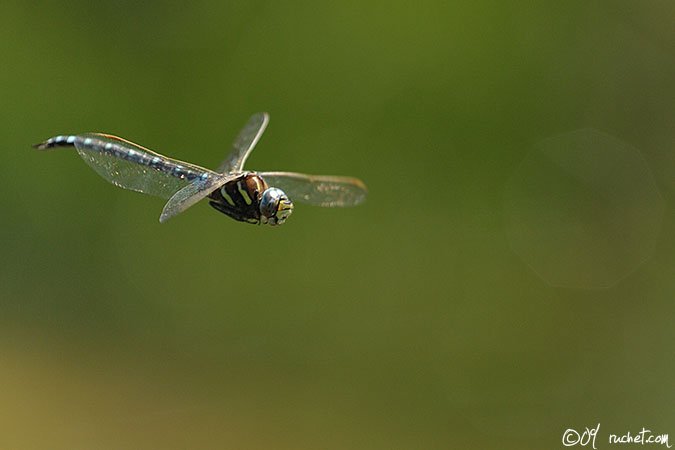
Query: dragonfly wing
x=129 y=173
x=245 y=142
x=319 y=190
x=191 y=194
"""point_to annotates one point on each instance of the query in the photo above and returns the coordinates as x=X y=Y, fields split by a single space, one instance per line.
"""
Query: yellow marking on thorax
x=244 y=194
x=226 y=196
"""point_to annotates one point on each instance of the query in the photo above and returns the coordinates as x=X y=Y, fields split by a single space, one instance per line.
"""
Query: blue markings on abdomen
x=124 y=151
x=136 y=156
x=57 y=141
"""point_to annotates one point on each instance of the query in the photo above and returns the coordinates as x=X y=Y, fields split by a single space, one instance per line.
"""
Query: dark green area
x=408 y=322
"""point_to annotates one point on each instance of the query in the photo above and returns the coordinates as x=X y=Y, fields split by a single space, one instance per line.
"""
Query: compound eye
x=275 y=206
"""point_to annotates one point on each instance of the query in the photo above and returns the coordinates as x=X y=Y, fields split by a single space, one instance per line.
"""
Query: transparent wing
x=319 y=190
x=135 y=176
x=191 y=194
x=245 y=142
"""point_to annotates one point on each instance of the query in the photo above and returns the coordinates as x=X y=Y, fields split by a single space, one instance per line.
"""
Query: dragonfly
x=245 y=196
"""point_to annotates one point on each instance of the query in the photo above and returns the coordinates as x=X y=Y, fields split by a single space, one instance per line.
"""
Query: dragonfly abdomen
x=57 y=141
x=119 y=148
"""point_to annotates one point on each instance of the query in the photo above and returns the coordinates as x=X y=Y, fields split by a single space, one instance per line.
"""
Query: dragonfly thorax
x=248 y=198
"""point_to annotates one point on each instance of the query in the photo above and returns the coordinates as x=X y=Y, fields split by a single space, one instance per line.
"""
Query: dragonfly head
x=275 y=206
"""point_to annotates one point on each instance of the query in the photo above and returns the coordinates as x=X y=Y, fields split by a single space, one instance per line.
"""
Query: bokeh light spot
x=583 y=210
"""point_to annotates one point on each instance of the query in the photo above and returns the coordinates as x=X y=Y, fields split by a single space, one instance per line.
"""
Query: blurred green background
x=508 y=277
